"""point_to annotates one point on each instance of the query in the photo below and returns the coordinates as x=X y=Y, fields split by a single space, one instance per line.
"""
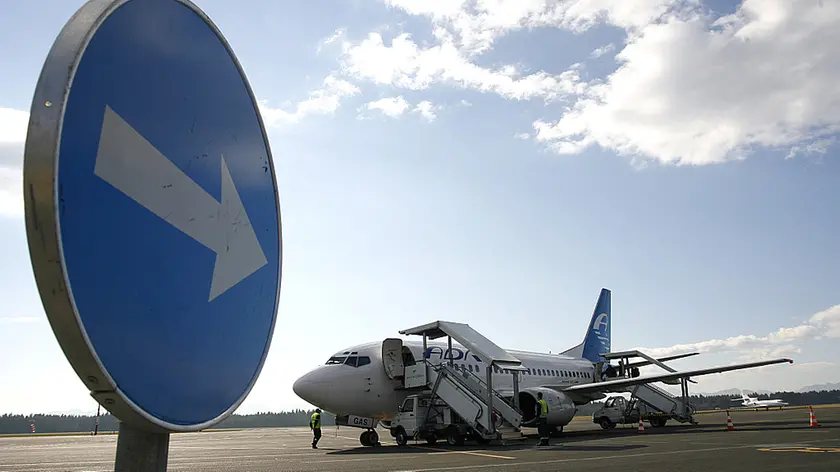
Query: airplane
x=356 y=381
x=754 y=402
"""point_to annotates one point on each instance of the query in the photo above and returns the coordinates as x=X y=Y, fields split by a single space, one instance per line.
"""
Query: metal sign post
x=153 y=219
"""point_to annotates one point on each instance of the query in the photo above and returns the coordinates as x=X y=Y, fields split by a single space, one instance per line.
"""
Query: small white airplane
x=754 y=402
x=356 y=380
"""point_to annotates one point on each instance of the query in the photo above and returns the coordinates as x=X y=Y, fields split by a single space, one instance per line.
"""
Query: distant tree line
x=17 y=424
x=274 y=420
x=723 y=402
x=20 y=424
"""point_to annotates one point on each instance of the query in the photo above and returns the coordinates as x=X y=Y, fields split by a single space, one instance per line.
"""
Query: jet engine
x=561 y=408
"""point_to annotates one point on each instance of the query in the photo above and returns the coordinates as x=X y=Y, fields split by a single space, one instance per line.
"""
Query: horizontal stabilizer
x=662 y=359
x=621 y=384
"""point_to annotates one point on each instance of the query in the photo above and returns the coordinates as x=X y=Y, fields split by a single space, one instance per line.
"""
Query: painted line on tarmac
x=628 y=441
x=371 y=458
x=53 y=470
x=600 y=458
x=437 y=451
x=800 y=449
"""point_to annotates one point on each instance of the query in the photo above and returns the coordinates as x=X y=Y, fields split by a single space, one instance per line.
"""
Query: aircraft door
x=392 y=357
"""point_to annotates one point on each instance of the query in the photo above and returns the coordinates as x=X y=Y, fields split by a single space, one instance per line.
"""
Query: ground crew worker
x=542 y=419
x=315 y=426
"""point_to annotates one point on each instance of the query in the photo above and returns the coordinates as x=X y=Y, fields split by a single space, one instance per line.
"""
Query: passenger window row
x=354 y=360
x=529 y=371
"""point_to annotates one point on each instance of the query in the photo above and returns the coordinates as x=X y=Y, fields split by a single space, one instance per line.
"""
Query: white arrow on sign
x=133 y=166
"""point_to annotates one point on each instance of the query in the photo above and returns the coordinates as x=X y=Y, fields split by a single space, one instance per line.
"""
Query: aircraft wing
x=622 y=384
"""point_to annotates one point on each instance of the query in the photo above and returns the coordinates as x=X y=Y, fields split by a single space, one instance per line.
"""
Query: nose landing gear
x=369 y=438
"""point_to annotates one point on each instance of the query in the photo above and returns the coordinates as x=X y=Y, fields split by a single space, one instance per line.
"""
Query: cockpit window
x=352 y=360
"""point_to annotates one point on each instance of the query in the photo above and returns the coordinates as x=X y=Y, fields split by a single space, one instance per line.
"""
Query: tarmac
x=775 y=440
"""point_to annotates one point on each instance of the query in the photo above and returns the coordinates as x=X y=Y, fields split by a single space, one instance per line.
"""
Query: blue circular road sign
x=152 y=213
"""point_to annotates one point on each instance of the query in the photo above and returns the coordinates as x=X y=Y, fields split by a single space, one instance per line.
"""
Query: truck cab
x=612 y=413
x=619 y=410
x=421 y=416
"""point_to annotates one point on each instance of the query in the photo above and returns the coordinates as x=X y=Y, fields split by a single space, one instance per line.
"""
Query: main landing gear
x=370 y=438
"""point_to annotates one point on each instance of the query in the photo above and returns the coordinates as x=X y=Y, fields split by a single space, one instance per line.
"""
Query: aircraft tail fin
x=598 y=338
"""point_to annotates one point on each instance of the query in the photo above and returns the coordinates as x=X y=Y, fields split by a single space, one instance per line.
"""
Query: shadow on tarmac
x=793 y=425
x=568 y=440
x=438 y=449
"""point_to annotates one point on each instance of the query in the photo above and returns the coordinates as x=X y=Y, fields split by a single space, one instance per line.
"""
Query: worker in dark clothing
x=542 y=419
x=315 y=426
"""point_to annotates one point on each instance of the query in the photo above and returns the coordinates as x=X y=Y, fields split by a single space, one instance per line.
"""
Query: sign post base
x=140 y=451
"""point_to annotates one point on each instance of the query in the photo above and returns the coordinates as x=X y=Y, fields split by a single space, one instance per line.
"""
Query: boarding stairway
x=455 y=387
x=664 y=402
x=656 y=398
x=467 y=394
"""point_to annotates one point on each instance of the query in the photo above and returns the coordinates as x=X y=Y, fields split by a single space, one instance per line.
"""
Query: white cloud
x=780 y=343
x=475 y=25
x=688 y=89
x=323 y=101
x=692 y=92
x=11 y=192
x=338 y=34
x=829 y=320
x=819 y=146
x=406 y=65
x=426 y=110
x=13 y=124
x=434 y=8
x=603 y=50
x=465 y=28
x=815 y=365
x=393 y=106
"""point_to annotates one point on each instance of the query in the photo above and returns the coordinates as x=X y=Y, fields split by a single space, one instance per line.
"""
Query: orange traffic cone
x=813 y=417
x=729 y=425
x=641 y=425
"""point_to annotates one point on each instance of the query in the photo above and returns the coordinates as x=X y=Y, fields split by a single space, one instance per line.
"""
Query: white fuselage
x=366 y=390
x=756 y=403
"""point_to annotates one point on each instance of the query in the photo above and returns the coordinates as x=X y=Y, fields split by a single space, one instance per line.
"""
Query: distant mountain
x=820 y=387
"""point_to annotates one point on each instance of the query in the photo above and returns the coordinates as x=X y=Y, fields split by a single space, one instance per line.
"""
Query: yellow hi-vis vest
x=315 y=421
x=543 y=408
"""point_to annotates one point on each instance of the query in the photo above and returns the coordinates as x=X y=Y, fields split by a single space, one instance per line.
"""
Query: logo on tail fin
x=598 y=337
x=601 y=320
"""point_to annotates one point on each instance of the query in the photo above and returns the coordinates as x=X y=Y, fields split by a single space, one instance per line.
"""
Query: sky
x=498 y=162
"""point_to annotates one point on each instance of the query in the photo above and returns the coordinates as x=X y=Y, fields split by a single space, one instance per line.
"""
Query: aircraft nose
x=302 y=388
x=308 y=389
